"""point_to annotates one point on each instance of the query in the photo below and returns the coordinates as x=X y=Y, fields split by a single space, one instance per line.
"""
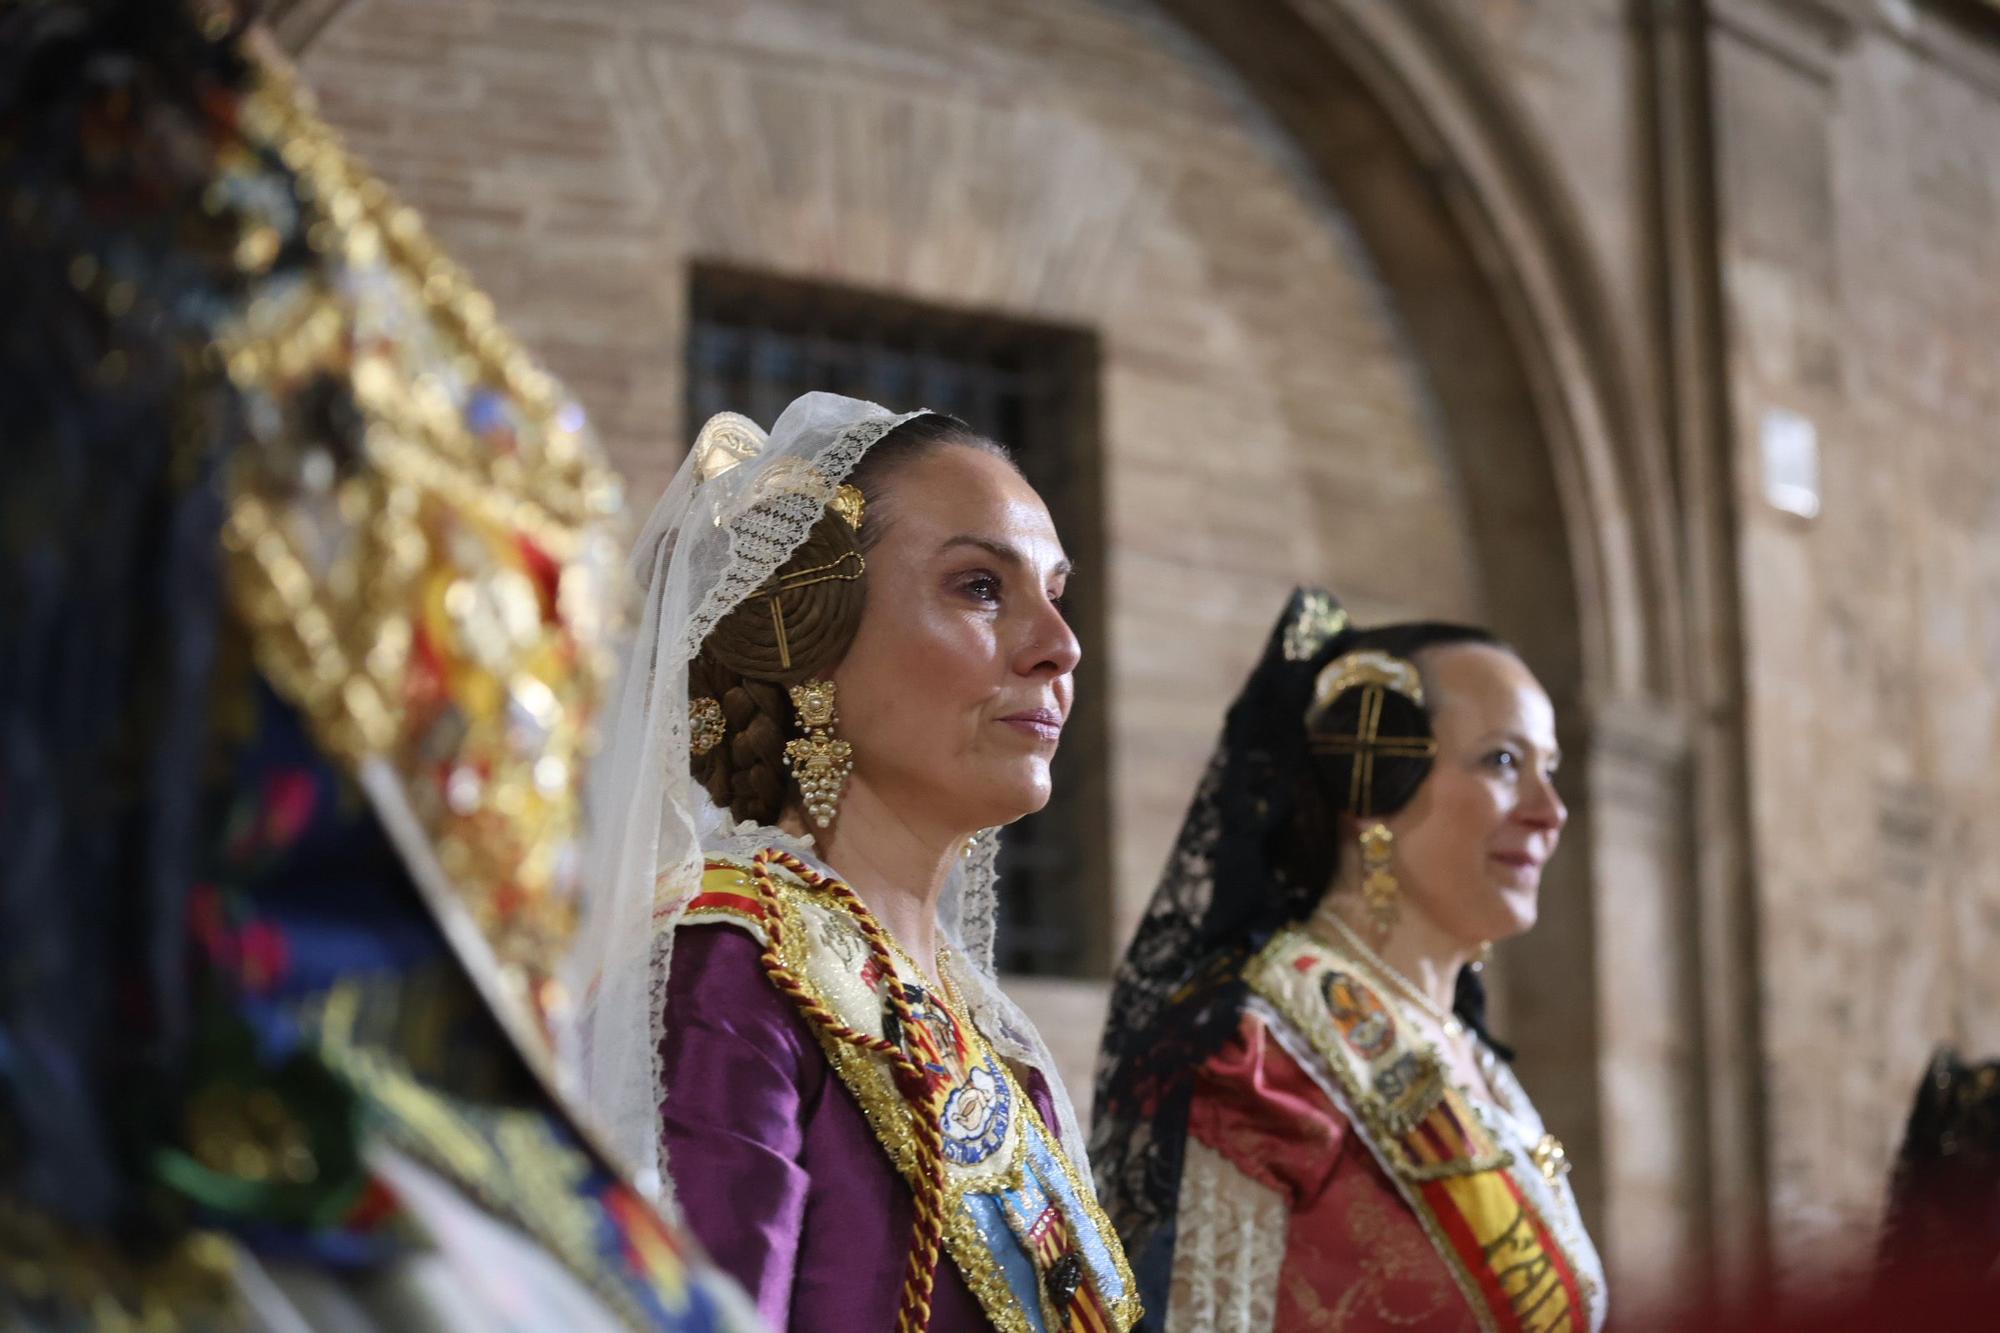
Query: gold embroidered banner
x=1456 y=1178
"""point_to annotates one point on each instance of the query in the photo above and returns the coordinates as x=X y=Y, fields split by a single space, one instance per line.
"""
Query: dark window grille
x=756 y=341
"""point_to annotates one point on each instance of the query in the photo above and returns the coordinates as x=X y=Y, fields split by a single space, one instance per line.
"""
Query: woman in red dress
x=1302 y=1122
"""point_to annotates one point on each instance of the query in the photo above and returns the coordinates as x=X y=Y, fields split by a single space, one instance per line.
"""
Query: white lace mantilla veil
x=708 y=545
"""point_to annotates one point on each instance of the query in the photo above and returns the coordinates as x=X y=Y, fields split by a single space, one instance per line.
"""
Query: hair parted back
x=819 y=593
x=1330 y=791
x=1394 y=779
x=1320 y=784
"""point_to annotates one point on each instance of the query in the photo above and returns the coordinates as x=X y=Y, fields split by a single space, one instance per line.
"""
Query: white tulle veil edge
x=708 y=544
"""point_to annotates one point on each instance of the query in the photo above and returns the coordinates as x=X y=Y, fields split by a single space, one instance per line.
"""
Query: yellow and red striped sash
x=1455 y=1176
x=1049 y=1242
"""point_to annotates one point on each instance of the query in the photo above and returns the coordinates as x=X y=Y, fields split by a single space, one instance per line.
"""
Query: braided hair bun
x=799 y=626
x=1368 y=781
x=1372 y=748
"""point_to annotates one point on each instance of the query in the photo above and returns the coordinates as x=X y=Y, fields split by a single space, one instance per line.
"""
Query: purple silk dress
x=777 y=1170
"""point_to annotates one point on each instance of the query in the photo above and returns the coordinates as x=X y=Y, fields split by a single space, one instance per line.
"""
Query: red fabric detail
x=1454 y=1225
x=290 y=795
x=1556 y=1257
x=742 y=904
x=1356 y=1258
x=1437 y=1148
x=545 y=573
x=423 y=683
x=1258 y=1108
x=1461 y=1235
x=375 y=1207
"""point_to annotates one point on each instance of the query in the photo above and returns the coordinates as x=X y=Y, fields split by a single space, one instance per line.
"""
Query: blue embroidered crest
x=976 y=1115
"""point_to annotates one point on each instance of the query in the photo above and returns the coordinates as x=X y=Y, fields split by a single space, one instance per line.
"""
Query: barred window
x=756 y=341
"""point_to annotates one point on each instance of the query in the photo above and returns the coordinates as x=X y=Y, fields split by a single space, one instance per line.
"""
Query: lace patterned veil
x=1233 y=878
x=740 y=505
x=1255 y=853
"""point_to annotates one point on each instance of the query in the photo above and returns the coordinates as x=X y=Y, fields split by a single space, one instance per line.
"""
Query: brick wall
x=1082 y=162
x=1085 y=160
x=1863 y=243
x=1857 y=164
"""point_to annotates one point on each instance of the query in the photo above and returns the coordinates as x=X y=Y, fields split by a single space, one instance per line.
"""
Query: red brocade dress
x=1334 y=1179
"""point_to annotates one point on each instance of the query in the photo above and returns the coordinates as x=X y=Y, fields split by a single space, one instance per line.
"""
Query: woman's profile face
x=958 y=684
x=1470 y=846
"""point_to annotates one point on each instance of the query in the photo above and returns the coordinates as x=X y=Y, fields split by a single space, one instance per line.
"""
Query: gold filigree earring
x=819 y=761
x=704 y=725
x=1378 y=882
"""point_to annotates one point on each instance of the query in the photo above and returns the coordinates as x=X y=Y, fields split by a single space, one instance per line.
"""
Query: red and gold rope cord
x=927 y=1239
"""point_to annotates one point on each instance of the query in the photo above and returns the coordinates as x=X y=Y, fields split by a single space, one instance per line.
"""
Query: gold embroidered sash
x=1455 y=1176
x=1023 y=1227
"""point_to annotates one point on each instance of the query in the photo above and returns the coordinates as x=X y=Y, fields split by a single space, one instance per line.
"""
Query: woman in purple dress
x=853 y=668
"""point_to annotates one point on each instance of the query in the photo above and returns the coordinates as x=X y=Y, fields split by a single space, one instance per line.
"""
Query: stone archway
x=1411 y=123
x=1397 y=108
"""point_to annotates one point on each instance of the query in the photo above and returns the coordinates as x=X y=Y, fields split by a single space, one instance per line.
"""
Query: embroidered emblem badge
x=976 y=1115
x=1361 y=1017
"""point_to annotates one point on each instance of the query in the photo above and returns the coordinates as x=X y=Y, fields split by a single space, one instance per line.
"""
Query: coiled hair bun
x=799 y=626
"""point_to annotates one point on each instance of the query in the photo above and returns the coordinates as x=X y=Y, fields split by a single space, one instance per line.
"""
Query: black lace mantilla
x=1256 y=853
x=1239 y=871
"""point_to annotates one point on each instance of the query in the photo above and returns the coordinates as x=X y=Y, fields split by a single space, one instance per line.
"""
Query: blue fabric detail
x=1089 y=1240
x=990 y=1213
